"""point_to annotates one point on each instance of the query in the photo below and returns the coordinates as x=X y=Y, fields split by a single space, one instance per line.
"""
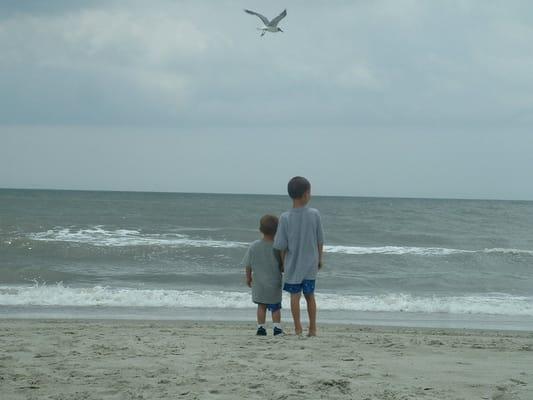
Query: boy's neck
x=299 y=203
x=268 y=238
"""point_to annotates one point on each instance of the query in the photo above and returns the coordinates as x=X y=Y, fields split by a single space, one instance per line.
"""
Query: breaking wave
x=60 y=295
x=98 y=236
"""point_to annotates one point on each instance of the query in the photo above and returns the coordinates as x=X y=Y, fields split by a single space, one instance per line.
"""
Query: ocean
x=388 y=261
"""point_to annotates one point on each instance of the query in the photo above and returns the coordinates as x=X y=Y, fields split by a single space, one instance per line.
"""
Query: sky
x=399 y=98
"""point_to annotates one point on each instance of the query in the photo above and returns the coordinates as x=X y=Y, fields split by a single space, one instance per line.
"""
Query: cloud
x=405 y=62
x=359 y=76
x=95 y=59
x=385 y=97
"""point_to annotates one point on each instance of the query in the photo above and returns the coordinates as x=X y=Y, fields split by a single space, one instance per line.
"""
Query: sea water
x=418 y=262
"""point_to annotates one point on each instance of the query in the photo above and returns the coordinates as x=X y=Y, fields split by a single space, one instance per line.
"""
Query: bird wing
x=263 y=18
x=275 y=21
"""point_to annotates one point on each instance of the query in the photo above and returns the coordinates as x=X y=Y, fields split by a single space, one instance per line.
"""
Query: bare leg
x=276 y=316
x=295 y=309
x=311 y=310
x=261 y=314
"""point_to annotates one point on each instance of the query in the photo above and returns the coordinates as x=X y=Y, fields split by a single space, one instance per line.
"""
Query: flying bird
x=270 y=26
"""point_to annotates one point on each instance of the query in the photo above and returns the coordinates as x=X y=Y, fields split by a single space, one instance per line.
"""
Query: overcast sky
x=366 y=98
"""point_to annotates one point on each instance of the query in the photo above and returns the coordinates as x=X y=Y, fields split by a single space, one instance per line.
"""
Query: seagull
x=270 y=26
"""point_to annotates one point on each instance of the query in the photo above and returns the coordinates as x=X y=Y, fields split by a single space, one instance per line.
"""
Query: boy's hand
x=320 y=265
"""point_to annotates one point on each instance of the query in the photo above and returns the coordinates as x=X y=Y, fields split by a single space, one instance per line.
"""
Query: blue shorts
x=307 y=287
x=272 y=307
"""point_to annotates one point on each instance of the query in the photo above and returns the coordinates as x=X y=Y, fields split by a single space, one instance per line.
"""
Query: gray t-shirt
x=265 y=263
x=299 y=234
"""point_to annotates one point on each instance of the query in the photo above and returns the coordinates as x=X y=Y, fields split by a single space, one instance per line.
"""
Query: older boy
x=300 y=239
x=263 y=275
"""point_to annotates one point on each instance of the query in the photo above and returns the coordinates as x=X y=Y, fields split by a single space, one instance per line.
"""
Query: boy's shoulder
x=308 y=210
x=285 y=216
x=313 y=211
x=255 y=243
x=259 y=243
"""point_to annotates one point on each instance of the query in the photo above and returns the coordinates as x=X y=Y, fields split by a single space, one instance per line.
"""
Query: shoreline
x=247 y=315
x=125 y=359
x=287 y=326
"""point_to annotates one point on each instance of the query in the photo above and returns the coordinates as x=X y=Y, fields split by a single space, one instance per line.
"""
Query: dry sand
x=64 y=359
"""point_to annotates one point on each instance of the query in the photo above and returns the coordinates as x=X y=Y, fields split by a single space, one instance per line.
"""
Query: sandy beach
x=64 y=359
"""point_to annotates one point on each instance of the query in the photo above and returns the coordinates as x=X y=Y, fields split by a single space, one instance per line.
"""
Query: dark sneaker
x=278 y=331
x=261 y=331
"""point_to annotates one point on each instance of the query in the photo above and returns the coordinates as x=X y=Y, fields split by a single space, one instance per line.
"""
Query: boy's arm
x=282 y=254
x=279 y=258
x=320 y=240
x=249 y=276
x=247 y=264
x=280 y=239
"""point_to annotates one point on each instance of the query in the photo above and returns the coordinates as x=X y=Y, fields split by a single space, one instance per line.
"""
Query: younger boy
x=263 y=275
x=300 y=239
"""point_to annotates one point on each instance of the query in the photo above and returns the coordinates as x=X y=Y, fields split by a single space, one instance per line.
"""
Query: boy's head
x=299 y=188
x=268 y=225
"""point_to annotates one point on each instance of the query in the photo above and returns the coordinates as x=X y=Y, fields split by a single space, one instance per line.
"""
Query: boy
x=300 y=239
x=263 y=275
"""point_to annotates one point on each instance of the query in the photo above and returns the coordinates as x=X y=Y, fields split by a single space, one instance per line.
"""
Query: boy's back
x=301 y=240
x=299 y=235
x=265 y=265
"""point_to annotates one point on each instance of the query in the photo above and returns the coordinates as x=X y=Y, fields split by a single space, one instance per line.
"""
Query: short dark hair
x=268 y=225
x=297 y=187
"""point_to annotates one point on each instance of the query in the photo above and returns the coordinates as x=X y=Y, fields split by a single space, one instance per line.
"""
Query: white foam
x=399 y=302
x=98 y=236
x=60 y=295
x=419 y=251
x=508 y=251
x=394 y=250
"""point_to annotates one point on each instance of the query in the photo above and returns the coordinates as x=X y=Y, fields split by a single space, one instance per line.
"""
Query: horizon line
x=264 y=194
